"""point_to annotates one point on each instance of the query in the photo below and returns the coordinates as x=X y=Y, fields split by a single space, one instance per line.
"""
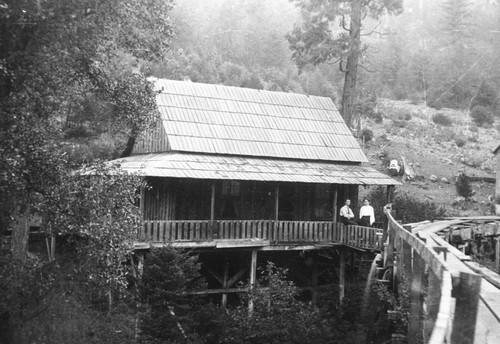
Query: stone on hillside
x=459 y=199
x=433 y=178
x=445 y=180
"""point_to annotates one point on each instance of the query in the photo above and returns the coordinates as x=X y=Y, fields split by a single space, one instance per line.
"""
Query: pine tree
x=463 y=186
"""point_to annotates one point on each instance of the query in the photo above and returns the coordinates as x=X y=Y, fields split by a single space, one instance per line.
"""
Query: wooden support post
x=314 y=282
x=274 y=235
x=416 y=277
x=467 y=299
x=342 y=276
x=390 y=193
x=225 y=282
x=212 y=211
x=431 y=304
x=141 y=202
x=399 y=261
x=253 y=278
x=276 y=202
x=390 y=250
x=140 y=263
x=497 y=254
x=335 y=197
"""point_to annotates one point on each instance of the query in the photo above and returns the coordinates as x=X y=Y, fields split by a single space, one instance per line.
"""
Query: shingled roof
x=229 y=133
x=224 y=120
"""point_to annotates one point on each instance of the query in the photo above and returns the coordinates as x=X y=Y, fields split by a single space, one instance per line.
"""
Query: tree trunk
x=129 y=147
x=20 y=234
x=351 y=70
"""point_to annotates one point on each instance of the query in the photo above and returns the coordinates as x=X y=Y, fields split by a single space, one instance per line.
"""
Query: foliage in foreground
x=89 y=214
x=167 y=314
x=277 y=317
x=407 y=208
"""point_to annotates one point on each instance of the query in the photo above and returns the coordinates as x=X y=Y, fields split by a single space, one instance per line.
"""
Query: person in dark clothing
x=346 y=214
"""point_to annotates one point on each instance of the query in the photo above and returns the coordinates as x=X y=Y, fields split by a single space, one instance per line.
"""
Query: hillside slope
x=407 y=130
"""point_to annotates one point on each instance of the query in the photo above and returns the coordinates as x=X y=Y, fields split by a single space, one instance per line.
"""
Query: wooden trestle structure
x=232 y=251
x=452 y=298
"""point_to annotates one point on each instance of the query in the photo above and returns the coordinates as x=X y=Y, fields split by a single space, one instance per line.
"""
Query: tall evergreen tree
x=317 y=42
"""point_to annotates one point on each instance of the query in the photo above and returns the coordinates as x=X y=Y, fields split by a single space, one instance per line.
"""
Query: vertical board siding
x=278 y=232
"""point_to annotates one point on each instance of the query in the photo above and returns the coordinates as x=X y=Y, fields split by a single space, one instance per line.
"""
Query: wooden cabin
x=230 y=166
x=248 y=176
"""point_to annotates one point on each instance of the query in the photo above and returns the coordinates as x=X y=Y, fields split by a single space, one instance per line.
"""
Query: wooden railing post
x=415 y=278
x=389 y=263
x=467 y=299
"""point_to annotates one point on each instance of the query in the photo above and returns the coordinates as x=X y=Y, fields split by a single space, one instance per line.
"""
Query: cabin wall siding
x=185 y=199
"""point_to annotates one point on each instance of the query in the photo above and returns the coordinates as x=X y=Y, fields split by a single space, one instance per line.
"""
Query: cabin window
x=244 y=200
x=231 y=188
x=323 y=202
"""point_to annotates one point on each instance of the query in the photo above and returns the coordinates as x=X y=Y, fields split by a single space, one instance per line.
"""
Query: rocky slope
x=438 y=153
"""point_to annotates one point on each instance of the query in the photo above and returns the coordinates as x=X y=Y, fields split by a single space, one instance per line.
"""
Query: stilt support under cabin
x=253 y=278
x=314 y=282
x=225 y=282
x=341 y=276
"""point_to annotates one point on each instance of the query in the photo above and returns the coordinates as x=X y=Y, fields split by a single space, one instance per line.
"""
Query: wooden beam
x=341 y=276
x=225 y=282
x=253 y=278
x=218 y=277
x=236 y=277
x=335 y=197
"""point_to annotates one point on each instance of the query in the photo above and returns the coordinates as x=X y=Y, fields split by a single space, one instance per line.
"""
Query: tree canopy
x=318 y=41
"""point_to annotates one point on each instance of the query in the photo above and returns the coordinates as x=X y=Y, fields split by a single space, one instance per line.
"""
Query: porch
x=255 y=233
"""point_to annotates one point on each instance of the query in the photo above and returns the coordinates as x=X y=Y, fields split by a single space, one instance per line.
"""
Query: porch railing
x=277 y=232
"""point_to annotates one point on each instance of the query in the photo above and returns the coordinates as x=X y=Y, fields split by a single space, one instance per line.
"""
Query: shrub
x=463 y=186
x=441 y=119
x=409 y=209
x=486 y=96
x=366 y=135
x=460 y=142
x=482 y=116
x=377 y=117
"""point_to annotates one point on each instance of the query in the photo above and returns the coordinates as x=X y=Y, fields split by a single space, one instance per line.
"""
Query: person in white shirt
x=366 y=214
x=346 y=214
